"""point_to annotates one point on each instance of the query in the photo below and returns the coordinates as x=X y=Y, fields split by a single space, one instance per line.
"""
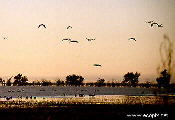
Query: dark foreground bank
x=90 y=112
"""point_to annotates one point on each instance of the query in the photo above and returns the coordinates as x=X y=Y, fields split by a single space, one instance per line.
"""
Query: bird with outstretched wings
x=158 y=25
x=75 y=41
x=97 y=65
x=132 y=39
x=41 y=25
x=154 y=23
x=69 y=27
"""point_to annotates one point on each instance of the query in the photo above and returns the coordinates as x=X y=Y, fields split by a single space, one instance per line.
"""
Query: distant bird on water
x=69 y=27
x=132 y=39
x=89 y=39
x=97 y=65
x=41 y=25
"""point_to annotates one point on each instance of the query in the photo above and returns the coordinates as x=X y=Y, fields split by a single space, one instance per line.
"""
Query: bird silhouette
x=132 y=39
x=160 y=25
x=149 y=21
x=68 y=39
x=5 y=38
x=89 y=39
x=97 y=65
x=74 y=41
x=154 y=23
x=41 y=25
x=69 y=27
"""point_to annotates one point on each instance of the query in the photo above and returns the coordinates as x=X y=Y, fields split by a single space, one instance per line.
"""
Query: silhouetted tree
x=20 y=80
x=131 y=78
x=164 y=79
x=74 y=80
x=1 y=81
x=100 y=82
x=59 y=82
x=24 y=80
x=90 y=84
x=38 y=83
x=8 y=83
x=45 y=82
x=17 y=80
x=147 y=84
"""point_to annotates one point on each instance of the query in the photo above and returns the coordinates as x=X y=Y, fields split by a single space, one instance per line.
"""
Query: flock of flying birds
x=67 y=39
x=152 y=23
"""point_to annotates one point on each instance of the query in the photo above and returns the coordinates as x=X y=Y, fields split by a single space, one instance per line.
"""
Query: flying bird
x=74 y=41
x=89 y=39
x=132 y=39
x=69 y=27
x=68 y=39
x=5 y=38
x=160 y=25
x=153 y=24
x=41 y=25
x=97 y=65
x=149 y=21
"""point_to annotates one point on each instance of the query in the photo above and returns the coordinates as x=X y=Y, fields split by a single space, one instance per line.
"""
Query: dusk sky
x=40 y=53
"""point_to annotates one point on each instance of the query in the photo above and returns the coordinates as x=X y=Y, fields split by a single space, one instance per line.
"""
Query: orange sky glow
x=40 y=53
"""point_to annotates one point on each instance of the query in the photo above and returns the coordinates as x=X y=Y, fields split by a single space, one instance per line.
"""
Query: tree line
x=129 y=79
